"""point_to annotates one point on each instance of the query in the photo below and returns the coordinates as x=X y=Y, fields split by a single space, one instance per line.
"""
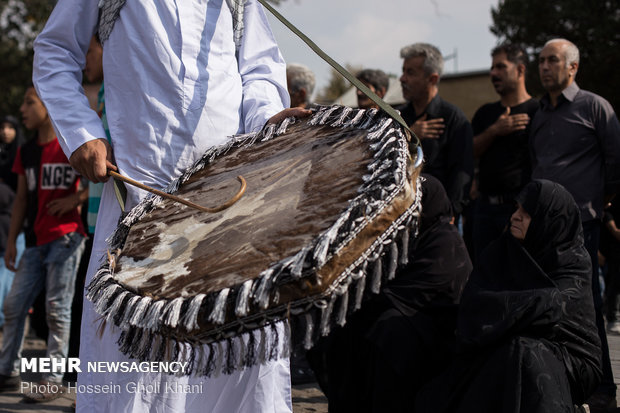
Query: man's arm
x=262 y=70
x=288 y=113
x=60 y=55
x=93 y=159
x=460 y=162
x=428 y=129
x=613 y=229
x=608 y=133
x=504 y=125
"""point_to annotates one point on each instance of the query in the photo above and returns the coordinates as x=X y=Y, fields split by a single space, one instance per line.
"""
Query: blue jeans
x=6 y=275
x=52 y=266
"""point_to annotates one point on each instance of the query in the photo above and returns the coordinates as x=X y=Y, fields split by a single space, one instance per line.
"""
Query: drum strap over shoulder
x=109 y=10
x=108 y=13
x=236 y=9
x=347 y=75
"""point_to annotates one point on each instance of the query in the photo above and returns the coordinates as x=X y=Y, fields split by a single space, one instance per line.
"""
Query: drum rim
x=140 y=316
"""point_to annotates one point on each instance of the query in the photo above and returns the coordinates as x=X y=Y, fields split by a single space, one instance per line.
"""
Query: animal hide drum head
x=297 y=186
x=330 y=205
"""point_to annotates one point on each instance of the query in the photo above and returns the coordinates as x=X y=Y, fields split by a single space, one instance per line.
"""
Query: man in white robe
x=175 y=86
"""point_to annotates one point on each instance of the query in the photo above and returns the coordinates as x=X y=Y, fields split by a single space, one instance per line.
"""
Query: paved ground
x=614 y=354
x=306 y=399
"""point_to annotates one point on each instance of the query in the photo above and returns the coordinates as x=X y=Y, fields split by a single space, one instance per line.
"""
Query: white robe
x=174 y=88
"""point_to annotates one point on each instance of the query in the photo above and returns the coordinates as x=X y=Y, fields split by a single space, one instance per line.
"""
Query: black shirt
x=7 y=156
x=449 y=158
x=577 y=144
x=6 y=204
x=31 y=161
x=505 y=166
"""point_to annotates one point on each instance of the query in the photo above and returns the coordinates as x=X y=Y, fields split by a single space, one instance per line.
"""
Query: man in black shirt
x=377 y=81
x=501 y=145
x=575 y=141
x=444 y=130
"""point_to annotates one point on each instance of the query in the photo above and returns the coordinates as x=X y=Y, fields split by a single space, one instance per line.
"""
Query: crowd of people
x=566 y=144
x=502 y=313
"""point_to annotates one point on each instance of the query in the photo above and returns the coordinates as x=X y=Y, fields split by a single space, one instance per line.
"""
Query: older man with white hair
x=300 y=81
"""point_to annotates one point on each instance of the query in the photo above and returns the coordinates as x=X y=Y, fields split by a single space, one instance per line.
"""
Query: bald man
x=575 y=141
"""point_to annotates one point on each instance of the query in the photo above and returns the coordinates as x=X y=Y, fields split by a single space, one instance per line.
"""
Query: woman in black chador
x=526 y=335
x=402 y=337
x=10 y=139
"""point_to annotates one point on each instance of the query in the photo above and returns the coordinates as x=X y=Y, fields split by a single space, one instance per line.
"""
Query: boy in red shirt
x=47 y=204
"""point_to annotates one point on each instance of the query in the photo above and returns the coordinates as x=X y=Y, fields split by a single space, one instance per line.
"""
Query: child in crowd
x=46 y=206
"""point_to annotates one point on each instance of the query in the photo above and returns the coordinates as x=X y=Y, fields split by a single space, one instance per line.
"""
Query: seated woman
x=402 y=336
x=526 y=332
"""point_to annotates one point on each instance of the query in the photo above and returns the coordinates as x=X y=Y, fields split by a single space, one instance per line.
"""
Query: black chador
x=526 y=336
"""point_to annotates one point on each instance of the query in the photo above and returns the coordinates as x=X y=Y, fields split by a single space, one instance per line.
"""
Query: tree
x=20 y=22
x=336 y=87
x=591 y=25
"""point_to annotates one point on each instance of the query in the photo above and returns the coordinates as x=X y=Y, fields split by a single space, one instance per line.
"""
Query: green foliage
x=20 y=22
x=592 y=25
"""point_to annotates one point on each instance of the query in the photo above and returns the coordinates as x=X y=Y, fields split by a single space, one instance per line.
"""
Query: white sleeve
x=59 y=57
x=262 y=69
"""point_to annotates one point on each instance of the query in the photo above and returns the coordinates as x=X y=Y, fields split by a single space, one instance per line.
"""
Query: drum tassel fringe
x=254 y=339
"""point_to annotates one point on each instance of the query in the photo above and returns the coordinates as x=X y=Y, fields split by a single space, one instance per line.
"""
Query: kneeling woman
x=526 y=331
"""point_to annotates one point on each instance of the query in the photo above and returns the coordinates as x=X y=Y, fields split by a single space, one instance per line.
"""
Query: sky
x=370 y=33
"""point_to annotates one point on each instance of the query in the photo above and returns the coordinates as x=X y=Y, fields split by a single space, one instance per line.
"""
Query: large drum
x=330 y=207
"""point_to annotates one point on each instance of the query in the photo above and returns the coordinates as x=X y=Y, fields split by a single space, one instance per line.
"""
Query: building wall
x=468 y=91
